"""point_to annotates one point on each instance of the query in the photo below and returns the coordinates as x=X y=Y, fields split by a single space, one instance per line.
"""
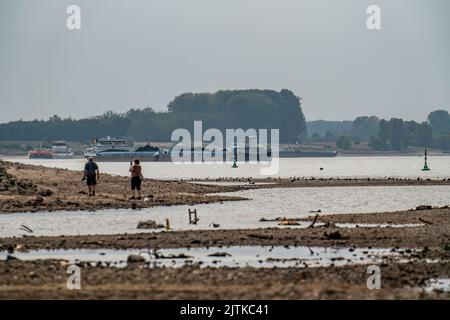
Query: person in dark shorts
x=91 y=175
x=136 y=178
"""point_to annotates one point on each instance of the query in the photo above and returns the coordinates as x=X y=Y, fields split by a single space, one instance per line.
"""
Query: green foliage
x=12 y=147
x=67 y=129
x=442 y=140
x=259 y=109
x=419 y=134
x=329 y=136
x=397 y=134
x=315 y=136
x=365 y=127
x=322 y=126
x=439 y=121
x=344 y=143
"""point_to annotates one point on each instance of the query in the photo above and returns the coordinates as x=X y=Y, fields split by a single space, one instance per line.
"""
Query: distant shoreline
x=7 y=156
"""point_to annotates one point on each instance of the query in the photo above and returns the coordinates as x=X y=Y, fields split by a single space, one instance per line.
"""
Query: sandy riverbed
x=426 y=237
x=51 y=189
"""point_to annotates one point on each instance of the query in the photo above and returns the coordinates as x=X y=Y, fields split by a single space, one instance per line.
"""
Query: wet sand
x=51 y=189
x=59 y=189
x=47 y=280
x=433 y=234
x=301 y=182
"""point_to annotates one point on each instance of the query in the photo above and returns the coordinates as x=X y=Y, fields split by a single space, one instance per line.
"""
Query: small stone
x=149 y=224
x=135 y=258
x=424 y=207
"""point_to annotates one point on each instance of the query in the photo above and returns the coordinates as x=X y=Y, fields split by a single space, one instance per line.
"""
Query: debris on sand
x=425 y=221
x=135 y=258
x=45 y=192
x=10 y=185
x=25 y=228
x=149 y=224
x=336 y=235
x=279 y=219
x=173 y=256
x=314 y=222
x=219 y=254
x=424 y=207
x=288 y=222
x=260 y=236
x=11 y=258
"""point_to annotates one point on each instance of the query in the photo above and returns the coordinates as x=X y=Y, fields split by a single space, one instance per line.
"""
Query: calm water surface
x=236 y=256
x=267 y=203
x=376 y=167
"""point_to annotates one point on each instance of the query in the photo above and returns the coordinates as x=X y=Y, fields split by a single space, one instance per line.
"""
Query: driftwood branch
x=314 y=222
x=25 y=228
x=425 y=221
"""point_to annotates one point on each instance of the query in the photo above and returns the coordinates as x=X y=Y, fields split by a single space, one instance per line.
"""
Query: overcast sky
x=145 y=52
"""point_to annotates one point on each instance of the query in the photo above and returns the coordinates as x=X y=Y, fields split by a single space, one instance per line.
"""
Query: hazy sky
x=143 y=53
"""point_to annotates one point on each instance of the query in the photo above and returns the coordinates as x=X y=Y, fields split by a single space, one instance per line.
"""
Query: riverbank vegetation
x=231 y=109
x=258 y=109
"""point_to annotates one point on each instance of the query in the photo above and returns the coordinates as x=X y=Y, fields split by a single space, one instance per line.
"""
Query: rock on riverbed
x=149 y=224
x=10 y=185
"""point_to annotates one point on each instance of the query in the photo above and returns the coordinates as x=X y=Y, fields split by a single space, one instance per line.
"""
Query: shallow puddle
x=234 y=256
x=440 y=285
x=231 y=183
x=382 y=225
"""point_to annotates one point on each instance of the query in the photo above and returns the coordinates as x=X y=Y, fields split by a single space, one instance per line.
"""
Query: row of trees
x=397 y=134
x=394 y=134
x=258 y=109
x=440 y=124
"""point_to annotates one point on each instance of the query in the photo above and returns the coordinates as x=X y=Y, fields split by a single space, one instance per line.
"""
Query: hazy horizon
x=144 y=53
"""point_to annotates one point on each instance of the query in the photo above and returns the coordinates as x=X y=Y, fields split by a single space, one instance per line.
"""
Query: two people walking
x=91 y=174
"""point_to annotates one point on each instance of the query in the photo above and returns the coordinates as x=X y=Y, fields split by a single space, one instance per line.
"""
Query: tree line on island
x=386 y=135
x=258 y=109
x=232 y=109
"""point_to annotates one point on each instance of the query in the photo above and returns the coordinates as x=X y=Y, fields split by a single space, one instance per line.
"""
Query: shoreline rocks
x=149 y=224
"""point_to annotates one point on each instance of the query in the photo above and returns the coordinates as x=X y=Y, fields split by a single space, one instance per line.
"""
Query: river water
x=264 y=203
x=234 y=257
x=354 y=167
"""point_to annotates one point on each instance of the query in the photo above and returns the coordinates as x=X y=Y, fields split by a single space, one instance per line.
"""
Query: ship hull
x=40 y=156
x=124 y=156
x=307 y=154
x=125 y=159
x=166 y=157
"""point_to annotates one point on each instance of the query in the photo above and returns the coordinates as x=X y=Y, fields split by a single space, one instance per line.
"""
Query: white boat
x=114 y=149
x=61 y=150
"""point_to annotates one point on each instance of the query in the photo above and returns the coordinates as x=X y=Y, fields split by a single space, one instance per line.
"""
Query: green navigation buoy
x=425 y=166
x=235 y=161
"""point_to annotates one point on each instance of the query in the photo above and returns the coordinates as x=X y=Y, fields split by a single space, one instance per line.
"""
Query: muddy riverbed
x=307 y=256
x=47 y=280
